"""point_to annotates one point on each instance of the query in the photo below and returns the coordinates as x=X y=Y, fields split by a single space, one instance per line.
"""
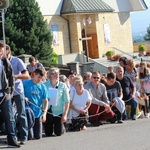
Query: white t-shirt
x=79 y=101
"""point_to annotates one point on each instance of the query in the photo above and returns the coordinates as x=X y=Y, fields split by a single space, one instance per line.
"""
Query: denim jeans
x=133 y=103
x=36 y=130
x=8 y=115
x=21 y=116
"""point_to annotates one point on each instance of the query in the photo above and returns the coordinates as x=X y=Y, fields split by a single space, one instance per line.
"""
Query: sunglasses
x=96 y=77
x=54 y=73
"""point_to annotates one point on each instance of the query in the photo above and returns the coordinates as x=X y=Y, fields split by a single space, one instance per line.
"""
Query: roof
x=85 y=6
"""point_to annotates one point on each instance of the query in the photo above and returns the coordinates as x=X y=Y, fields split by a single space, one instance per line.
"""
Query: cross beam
x=87 y=52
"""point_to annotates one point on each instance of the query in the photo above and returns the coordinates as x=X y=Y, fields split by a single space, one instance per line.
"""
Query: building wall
x=63 y=47
x=119 y=5
x=120 y=32
x=75 y=32
x=119 y=25
x=126 y=5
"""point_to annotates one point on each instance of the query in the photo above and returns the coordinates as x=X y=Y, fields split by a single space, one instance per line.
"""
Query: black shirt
x=126 y=85
x=113 y=91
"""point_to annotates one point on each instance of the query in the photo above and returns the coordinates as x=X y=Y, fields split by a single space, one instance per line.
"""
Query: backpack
x=30 y=117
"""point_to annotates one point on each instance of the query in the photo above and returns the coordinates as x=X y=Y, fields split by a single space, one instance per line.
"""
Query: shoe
x=139 y=115
x=84 y=128
x=102 y=122
x=133 y=118
x=147 y=115
x=119 y=121
x=112 y=120
x=13 y=143
x=23 y=142
x=63 y=130
x=96 y=124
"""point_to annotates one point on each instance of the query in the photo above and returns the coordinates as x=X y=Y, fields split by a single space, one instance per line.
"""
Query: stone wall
x=120 y=32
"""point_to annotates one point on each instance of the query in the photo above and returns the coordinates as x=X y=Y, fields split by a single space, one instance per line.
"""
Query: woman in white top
x=80 y=103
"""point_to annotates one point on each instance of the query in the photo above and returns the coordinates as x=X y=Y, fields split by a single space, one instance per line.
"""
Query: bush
x=142 y=47
x=109 y=53
x=53 y=61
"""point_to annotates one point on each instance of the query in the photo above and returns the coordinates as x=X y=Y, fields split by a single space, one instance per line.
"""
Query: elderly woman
x=58 y=104
x=130 y=70
x=80 y=103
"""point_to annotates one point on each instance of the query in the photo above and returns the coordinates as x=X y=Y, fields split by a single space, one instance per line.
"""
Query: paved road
x=131 y=135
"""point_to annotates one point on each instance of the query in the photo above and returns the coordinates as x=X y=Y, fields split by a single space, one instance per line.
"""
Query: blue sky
x=140 y=20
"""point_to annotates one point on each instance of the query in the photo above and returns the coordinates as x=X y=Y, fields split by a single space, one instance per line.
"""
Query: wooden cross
x=87 y=52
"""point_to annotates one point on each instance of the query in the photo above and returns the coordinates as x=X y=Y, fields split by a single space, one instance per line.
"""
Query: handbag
x=80 y=121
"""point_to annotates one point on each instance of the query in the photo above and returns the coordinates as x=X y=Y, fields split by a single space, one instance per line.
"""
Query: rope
x=2 y=100
x=128 y=100
x=60 y=116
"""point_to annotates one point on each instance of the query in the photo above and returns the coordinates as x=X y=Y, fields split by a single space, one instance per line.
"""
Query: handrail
x=144 y=58
x=122 y=51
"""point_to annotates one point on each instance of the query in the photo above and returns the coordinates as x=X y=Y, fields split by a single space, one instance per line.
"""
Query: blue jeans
x=36 y=130
x=21 y=116
x=133 y=103
x=8 y=116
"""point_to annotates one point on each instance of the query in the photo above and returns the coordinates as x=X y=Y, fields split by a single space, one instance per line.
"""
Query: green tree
x=26 y=31
x=147 y=36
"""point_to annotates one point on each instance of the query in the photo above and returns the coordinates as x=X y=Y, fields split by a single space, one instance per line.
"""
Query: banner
x=55 y=35
x=107 y=34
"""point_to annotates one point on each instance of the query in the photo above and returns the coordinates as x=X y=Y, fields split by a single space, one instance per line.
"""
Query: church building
x=91 y=27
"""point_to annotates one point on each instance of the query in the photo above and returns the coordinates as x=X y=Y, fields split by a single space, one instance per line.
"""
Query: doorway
x=93 y=46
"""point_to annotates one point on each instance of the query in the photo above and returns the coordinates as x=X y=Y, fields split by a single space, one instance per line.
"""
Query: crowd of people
x=59 y=103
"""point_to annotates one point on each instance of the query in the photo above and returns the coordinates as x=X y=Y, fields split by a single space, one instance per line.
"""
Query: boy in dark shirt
x=114 y=91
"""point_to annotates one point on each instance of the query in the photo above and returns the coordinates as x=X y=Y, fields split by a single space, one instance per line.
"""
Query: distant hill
x=138 y=36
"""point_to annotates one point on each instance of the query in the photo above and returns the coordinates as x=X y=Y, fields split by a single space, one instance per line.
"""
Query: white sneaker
x=139 y=115
x=147 y=115
x=142 y=115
